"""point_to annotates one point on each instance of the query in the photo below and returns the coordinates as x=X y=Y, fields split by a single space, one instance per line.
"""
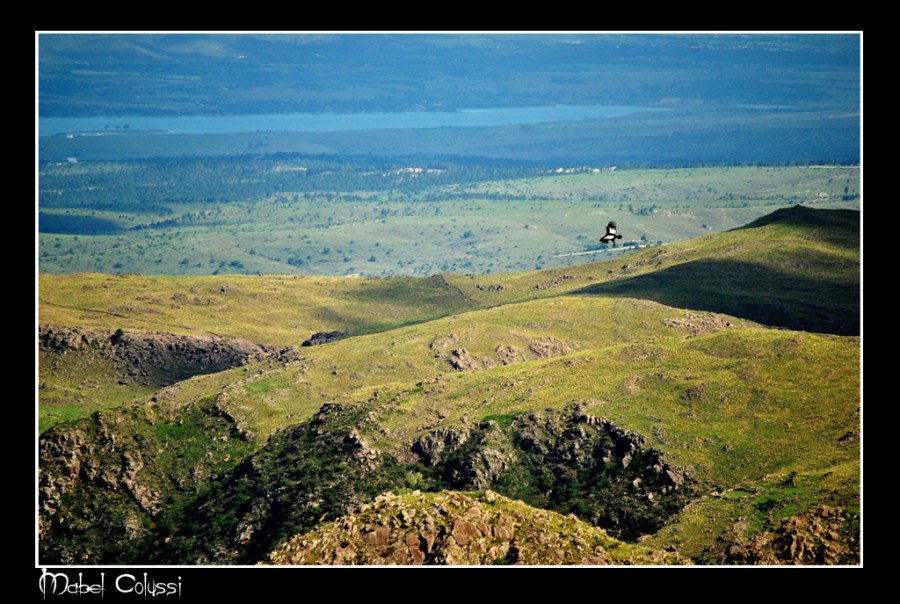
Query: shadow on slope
x=384 y=303
x=765 y=294
x=841 y=227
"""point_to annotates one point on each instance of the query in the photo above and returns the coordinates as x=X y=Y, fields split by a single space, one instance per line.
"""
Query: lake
x=326 y=122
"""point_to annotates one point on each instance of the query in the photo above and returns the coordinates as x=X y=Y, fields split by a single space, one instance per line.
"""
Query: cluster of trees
x=149 y=185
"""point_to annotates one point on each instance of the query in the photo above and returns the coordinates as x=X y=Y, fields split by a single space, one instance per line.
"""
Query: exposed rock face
x=824 y=535
x=462 y=360
x=121 y=470
x=439 y=346
x=323 y=337
x=456 y=528
x=509 y=355
x=322 y=469
x=434 y=445
x=569 y=461
x=442 y=342
x=98 y=477
x=361 y=451
x=452 y=347
x=148 y=358
x=548 y=347
x=481 y=468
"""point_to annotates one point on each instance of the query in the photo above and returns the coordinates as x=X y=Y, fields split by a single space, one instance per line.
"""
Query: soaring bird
x=612 y=233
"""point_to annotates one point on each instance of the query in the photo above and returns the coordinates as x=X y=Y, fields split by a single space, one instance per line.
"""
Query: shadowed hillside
x=774 y=297
x=809 y=288
x=841 y=226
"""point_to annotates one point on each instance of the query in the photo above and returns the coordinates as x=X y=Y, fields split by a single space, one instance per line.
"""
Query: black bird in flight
x=612 y=233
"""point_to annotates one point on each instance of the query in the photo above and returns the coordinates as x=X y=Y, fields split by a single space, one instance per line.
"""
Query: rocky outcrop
x=440 y=344
x=143 y=357
x=462 y=360
x=98 y=476
x=126 y=468
x=509 y=355
x=438 y=443
x=548 y=346
x=566 y=460
x=481 y=468
x=360 y=449
x=324 y=337
x=453 y=528
x=698 y=323
x=554 y=282
x=319 y=470
x=821 y=536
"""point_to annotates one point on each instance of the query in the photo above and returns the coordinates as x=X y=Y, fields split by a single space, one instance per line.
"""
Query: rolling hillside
x=700 y=397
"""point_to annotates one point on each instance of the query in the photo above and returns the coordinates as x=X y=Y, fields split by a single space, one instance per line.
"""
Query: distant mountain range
x=214 y=74
x=727 y=98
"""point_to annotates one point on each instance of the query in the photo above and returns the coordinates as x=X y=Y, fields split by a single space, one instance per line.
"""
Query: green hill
x=811 y=263
x=776 y=276
x=580 y=391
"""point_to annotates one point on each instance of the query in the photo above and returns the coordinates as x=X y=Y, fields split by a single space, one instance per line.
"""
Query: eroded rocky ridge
x=144 y=357
x=566 y=460
x=455 y=528
x=118 y=483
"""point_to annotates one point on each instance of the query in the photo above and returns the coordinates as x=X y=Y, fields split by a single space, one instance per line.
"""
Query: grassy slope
x=766 y=418
x=810 y=259
x=756 y=413
x=745 y=408
x=399 y=359
x=797 y=272
x=280 y=310
x=760 y=417
x=800 y=272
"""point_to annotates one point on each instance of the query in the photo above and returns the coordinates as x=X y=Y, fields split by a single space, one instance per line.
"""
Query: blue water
x=325 y=122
